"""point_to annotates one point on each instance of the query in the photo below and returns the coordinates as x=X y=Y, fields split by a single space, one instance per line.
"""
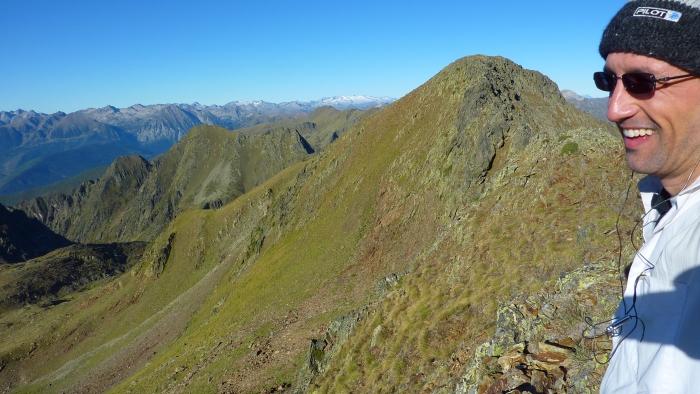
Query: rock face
x=23 y=238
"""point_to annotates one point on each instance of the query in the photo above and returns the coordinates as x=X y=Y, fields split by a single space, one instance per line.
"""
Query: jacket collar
x=650 y=185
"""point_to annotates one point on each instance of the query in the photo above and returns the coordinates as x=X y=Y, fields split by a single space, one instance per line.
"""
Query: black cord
x=619 y=239
x=631 y=313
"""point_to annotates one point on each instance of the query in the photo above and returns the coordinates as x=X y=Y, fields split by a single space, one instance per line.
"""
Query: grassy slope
x=299 y=274
x=373 y=204
x=145 y=309
x=537 y=213
x=402 y=192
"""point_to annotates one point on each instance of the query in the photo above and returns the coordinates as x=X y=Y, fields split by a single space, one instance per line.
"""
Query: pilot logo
x=658 y=13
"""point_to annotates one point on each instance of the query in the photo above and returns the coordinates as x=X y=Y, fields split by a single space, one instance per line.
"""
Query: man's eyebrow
x=606 y=69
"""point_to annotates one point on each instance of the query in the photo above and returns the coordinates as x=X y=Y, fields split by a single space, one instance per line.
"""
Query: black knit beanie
x=668 y=30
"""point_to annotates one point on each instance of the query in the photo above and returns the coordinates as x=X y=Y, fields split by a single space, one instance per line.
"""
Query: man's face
x=671 y=114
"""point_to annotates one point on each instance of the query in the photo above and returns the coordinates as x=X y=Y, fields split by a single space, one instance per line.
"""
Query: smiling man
x=652 y=63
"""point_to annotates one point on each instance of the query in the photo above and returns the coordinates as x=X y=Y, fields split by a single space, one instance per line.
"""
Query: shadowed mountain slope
x=65 y=186
x=23 y=238
x=597 y=107
x=377 y=266
x=46 y=169
x=52 y=133
x=67 y=270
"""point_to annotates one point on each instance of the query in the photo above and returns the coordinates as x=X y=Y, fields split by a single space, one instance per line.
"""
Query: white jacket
x=658 y=349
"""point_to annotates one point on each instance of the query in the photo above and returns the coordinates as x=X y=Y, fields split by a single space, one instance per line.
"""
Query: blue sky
x=71 y=55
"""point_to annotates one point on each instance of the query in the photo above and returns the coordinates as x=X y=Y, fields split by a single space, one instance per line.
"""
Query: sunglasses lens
x=604 y=82
x=639 y=83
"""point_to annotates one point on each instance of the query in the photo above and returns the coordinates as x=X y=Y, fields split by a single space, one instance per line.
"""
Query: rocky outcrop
x=158 y=257
x=543 y=342
x=322 y=350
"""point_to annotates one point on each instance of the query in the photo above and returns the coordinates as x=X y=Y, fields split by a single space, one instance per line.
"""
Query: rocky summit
x=460 y=239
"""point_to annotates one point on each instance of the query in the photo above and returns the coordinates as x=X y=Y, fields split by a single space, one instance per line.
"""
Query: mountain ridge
x=597 y=107
x=208 y=168
x=27 y=136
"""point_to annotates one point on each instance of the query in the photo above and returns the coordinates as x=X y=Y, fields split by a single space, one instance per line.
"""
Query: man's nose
x=621 y=105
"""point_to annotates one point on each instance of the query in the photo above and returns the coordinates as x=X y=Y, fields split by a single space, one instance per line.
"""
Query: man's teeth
x=631 y=133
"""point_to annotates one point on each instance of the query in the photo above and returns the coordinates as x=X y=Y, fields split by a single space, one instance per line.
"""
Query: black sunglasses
x=634 y=83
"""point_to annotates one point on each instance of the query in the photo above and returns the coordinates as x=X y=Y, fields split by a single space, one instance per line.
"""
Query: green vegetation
x=569 y=148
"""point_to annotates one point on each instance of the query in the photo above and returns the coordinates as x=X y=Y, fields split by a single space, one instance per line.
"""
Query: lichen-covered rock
x=539 y=345
x=158 y=256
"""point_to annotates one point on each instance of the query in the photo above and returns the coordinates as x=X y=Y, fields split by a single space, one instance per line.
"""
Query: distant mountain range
x=152 y=124
x=38 y=149
x=597 y=107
